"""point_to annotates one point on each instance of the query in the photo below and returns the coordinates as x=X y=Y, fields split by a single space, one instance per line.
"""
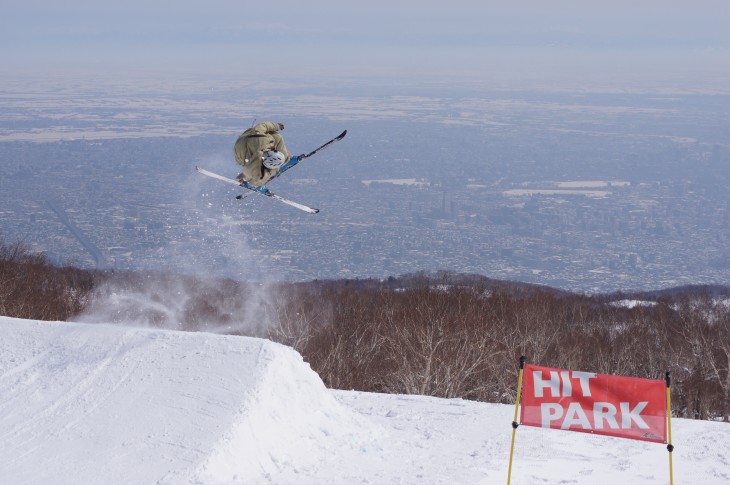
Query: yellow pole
x=514 y=422
x=670 y=447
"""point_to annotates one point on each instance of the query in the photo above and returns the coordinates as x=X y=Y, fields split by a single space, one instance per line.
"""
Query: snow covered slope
x=102 y=404
x=107 y=404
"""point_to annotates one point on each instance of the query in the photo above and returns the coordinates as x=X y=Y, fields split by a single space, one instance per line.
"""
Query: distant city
x=590 y=192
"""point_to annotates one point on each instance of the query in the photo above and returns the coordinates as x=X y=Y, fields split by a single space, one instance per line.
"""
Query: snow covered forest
x=445 y=335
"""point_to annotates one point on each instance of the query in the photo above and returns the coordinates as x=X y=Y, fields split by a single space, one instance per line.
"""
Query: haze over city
x=568 y=41
x=566 y=143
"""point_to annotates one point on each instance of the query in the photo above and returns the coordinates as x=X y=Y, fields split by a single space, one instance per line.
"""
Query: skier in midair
x=261 y=152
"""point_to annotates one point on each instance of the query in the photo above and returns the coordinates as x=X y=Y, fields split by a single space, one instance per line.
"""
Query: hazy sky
x=368 y=37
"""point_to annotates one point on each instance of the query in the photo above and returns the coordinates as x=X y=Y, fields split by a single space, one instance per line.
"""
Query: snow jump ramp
x=95 y=403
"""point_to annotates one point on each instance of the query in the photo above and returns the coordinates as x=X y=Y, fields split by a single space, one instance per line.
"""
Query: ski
x=296 y=159
x=318 y=149
x=260 y=190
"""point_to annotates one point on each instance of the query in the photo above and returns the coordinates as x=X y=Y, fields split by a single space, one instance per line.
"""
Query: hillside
x=438 y=334
x=100 y=404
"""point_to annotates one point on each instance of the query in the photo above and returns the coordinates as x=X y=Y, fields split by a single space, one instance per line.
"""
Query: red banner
x=625 y=407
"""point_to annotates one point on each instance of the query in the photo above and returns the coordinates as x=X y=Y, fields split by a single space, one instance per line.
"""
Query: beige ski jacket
x=250 y=147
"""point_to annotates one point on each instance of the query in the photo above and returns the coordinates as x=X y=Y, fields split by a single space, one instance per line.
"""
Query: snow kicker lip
x=99 y=403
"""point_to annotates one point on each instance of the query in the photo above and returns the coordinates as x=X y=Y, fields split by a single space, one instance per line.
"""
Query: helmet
x=273 y=160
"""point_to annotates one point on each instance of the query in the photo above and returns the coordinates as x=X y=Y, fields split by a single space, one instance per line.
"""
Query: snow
x=632 y=303
x=100 y=404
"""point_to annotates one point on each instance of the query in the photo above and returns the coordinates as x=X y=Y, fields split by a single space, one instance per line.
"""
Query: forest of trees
x=32 y=288
x=440 y=334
